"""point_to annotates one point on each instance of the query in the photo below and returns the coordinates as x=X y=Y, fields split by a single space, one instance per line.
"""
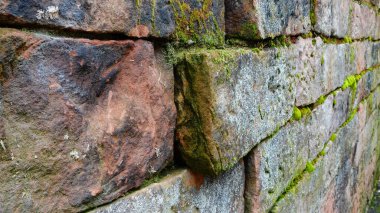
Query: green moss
x=323 y=152
x=305 y=111
x=334 y=102
x=322 y=60
x=347 y=39
x=321 y=100
x=310 y=167
x=314 y=41
x=250 y=30
x=297 y=114
x=350 y=117
x=333 y=137
x=313 y=18
x=197 y=25
x=350 y=81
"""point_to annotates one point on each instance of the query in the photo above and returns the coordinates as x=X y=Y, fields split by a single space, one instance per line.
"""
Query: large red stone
x=82 y=121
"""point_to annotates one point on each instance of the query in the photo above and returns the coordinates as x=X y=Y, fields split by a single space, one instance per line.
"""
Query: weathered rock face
x=255 y=19
x=227 y=102
x=184 y=191
x=343 y=177
x=331 y=18
x=178 y=19
x=345 y=18
x=272 y=165
x=82 y=121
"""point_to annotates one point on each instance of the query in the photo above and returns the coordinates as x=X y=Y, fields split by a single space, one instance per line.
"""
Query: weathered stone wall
x=189 y=105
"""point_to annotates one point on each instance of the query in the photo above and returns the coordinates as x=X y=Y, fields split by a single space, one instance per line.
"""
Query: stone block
x=184 y=191
x=229 y=100
x=184 y=20
x=258 y=19
x=363 y=21
x=331 y=17
x=82 y=121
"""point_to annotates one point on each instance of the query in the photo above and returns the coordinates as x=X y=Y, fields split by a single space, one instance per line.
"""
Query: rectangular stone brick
x=331 y=17
x=257 y=19
x=183 y=20
x=273 y=164
x=82 y=121
x=184 y=191
x=320 y=68
x=228 y=100
x=363 y=21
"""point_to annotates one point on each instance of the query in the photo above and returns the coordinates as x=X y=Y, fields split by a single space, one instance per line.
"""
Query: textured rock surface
x=82 y=121
x=273 y=164
x=320 y=67
x=184 y=191
x=343 y=176
x=255 y=19
x=331 y=17
x=363 y=22
x=180 y=19
x=228 y=101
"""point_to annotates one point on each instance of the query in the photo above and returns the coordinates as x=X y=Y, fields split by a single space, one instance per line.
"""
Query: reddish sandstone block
x=84 y=121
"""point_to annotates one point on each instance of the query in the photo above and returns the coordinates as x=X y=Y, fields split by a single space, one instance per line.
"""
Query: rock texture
x=345 y=18
x=257 y=19
x=348 y=166
x=177 y=19
x=184 y=191
x=227 y=102
x=273 y=164
x=82 y=121
x=331 y=18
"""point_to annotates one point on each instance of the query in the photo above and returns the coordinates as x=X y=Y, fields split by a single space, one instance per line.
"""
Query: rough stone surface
x=316 y=192
x=185 y=191
x=179 y=19
x=331 y=17
x=344 y=176
x=320 y=68
x=363 y=22
x=273 y=164
x=82 y=121
x=256 y=19
x=227 y=101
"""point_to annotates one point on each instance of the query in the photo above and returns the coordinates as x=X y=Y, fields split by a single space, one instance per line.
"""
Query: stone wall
x=189 y=105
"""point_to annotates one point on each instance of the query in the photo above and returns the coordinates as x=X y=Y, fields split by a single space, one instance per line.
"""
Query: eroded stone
x=185 y=191
x=273 y=164
x=228 y=100
x=83 y=121
x=257 y=19
x=177 y=19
